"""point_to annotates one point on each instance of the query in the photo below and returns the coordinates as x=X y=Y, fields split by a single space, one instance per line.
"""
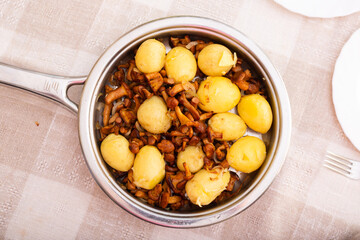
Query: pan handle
x=50 y=86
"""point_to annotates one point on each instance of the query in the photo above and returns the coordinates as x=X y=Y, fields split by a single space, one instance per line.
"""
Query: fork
x=345 y=166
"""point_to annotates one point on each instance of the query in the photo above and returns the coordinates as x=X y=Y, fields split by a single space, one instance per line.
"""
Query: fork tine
x=339 y=158
x=328 y=165
x=338 y=163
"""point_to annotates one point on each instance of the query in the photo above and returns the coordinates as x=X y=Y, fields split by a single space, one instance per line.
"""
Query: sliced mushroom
x=177 y=88
x=182 y=118
x=106 y=113
x=130 y=69
x=205 y=116
x=171 y=102
x=154 y=194
x=166 y=146
x=163 y=93
x=155 y=80
x=121 y=91
x=220 y=152
x=190 y=107
x=128 y=115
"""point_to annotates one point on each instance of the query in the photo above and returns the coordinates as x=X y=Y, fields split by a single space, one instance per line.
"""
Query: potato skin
x=215 y=60
x=256 y=112
x=149 y=167
x=194 y=158
x=206 y=185
x=116 y=153
x=150 y=57
x=153 y=115
x=247 y=154
x=229 y=124
x=180 y=64
x=218 y=94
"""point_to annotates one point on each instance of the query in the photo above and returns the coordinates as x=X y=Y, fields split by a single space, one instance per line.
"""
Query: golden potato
x=194 y=158
x=206 y=185
x=150 y=57
x=180 y=64
x=218 y=94
x=215 y=60
x=153 y=115
x=116 y=153
x=247 y=154
x=229 y=124
x=256 y=112
x=149 y=167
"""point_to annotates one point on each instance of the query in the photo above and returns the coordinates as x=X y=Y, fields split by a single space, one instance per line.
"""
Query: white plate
x=346 y=88
x=321 y=8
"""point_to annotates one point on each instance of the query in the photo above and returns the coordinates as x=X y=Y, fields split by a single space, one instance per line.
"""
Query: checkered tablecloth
x=46 y=189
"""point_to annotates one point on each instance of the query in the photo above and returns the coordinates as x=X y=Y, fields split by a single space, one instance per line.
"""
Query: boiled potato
x=194 y=158
x=116 y=153
x=218 y=94
x=150 y=57
x=206 y=185
x=180 y=64
x=247 y=154
x=256 y=112
x=149 y=167
x=229 y=124
x=215 y=60
x=153 y=115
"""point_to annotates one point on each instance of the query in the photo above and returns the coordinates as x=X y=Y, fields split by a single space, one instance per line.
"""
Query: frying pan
x=89 y=113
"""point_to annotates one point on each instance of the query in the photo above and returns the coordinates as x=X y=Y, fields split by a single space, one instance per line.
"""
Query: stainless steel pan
x=89 y=113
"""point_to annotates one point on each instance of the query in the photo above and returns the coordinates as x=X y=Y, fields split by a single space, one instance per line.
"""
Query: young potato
x=229 y=124
x=149 y=167
x=247 y=154
x=194 y=158
x=116 y=153
x=150 y=57
x=256 y=112
x=215 y=60
x=180 y=64
x=153 y=115
x=218 y=94
x=206 y=185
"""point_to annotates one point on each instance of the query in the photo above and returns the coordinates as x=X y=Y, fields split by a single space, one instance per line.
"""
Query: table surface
x=46 y=190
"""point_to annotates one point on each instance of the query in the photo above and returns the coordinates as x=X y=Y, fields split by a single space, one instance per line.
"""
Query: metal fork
x=345 y=166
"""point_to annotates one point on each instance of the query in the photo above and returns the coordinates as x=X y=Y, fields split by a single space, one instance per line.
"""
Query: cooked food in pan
x=167 y=133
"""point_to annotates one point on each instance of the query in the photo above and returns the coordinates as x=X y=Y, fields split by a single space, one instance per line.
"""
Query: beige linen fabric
x=46 y=190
